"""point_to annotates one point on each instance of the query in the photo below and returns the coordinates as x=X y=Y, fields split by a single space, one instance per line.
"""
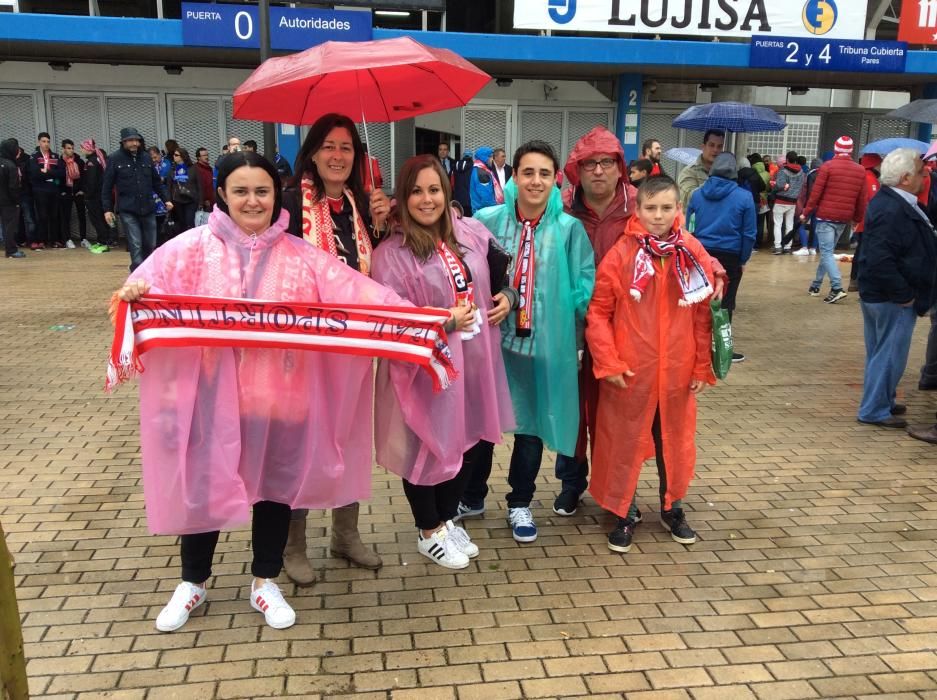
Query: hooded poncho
x=222 y=428
x=667 y=346
x=421 y=435
x=542 y=368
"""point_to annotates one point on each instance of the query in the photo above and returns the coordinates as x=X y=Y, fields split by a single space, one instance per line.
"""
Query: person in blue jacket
x=722 y=216
x=485 y=190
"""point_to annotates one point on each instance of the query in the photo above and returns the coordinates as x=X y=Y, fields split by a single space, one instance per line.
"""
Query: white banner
x=830 y=19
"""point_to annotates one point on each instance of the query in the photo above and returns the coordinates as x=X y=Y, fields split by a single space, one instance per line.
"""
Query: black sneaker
x=619 y=539
x=566 y=503
x=814 y=291
x=675 y=521
x=738 y=357
x=835 y=295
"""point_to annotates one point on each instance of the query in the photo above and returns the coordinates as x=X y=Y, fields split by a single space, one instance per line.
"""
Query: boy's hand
x=719 y=288
x=619 y=379
x=697 y=386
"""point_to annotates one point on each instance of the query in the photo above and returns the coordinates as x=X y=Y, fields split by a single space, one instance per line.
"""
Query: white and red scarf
x=72 y=173
x=524 y=277
x=499 y=192
x=691 y=278
x=319 y=229
x=171 y=321
x=460 y=279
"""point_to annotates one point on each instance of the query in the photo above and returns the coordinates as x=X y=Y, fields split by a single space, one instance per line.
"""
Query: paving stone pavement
x=814 y=576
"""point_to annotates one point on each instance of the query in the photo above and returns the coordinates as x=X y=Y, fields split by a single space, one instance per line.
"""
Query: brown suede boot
x=346 y=542
x=295 y=560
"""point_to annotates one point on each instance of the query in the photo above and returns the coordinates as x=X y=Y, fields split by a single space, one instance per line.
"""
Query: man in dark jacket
x=897 y=283
x=74 y=170
x=725 y=222
x=45 y=175
x=838 y=197
x=130 y=171
x=27 y=211
x=9 y=197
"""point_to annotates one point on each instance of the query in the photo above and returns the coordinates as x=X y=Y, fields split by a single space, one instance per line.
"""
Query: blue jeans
x=525 y=466
x=888 y=329
x=828 y=232
x=572 y=473
x=141 y=236
x=522 y=475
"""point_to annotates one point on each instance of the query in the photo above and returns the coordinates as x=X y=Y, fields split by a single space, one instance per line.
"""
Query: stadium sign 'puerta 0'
x=291 y=29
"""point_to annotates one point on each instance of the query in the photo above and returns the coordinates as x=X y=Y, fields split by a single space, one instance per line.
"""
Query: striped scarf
x=164 y=321
x=691 y=278
x=319 y=229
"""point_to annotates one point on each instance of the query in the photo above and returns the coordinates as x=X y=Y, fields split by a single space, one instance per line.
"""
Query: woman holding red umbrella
x=329 y=209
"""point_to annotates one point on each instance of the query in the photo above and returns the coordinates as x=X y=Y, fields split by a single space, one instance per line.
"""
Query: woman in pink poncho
x=227 y=431
x=432 y=440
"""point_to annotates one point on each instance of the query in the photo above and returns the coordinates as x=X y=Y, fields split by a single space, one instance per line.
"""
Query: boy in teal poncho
x=554 y=272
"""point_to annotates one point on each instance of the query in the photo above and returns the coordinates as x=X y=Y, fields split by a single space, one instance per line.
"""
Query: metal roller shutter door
x=242 y=128
x=483 y=126
x=18 y=119
x=75 y=117
x=137 y=111
x=195 y=123
x=543 y=125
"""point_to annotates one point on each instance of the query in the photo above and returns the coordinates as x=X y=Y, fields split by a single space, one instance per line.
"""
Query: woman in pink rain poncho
x=227 y=432
x=432 y=440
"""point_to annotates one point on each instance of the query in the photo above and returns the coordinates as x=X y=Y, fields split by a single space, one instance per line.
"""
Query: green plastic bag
x=722 y=339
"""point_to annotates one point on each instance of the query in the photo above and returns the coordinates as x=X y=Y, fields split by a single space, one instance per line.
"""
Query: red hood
x=599 y=140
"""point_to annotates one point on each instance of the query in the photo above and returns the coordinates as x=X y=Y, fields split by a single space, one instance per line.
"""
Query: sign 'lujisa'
x=832 y=19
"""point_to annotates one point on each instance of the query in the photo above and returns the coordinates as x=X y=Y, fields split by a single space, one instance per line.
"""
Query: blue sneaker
x=522 y=523
x=464 y=511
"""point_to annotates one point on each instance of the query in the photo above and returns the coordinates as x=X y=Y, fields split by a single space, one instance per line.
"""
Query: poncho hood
x=223 y=226
x=599 y=140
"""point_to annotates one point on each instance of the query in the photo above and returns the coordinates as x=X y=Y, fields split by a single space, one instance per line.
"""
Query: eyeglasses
x=588 y=165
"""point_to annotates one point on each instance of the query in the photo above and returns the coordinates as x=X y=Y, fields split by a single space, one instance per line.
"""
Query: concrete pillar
x=628 y=122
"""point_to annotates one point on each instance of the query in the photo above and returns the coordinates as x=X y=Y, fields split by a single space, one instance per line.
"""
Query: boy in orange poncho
x=650 y=333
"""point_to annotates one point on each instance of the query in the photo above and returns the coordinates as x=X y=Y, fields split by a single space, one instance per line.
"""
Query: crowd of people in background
x=561 y=304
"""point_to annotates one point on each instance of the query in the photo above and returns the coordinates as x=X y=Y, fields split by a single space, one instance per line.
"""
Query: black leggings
x=432 y=505
x=269 y=528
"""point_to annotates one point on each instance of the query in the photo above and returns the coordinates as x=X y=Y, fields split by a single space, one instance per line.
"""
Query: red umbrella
x=383 y=81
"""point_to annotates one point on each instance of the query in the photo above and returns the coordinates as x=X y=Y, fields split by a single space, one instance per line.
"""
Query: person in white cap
x=838 y=197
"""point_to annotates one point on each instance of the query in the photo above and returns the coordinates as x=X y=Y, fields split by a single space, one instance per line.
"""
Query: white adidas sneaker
x=269 y=600
x=186 y=598
x=442 y=549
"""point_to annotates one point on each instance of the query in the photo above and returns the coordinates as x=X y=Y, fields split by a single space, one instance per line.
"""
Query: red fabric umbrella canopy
x=382 y=81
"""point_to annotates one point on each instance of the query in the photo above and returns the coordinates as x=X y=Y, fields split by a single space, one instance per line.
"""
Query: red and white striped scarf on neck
x=691 y=278
x=166 y=321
